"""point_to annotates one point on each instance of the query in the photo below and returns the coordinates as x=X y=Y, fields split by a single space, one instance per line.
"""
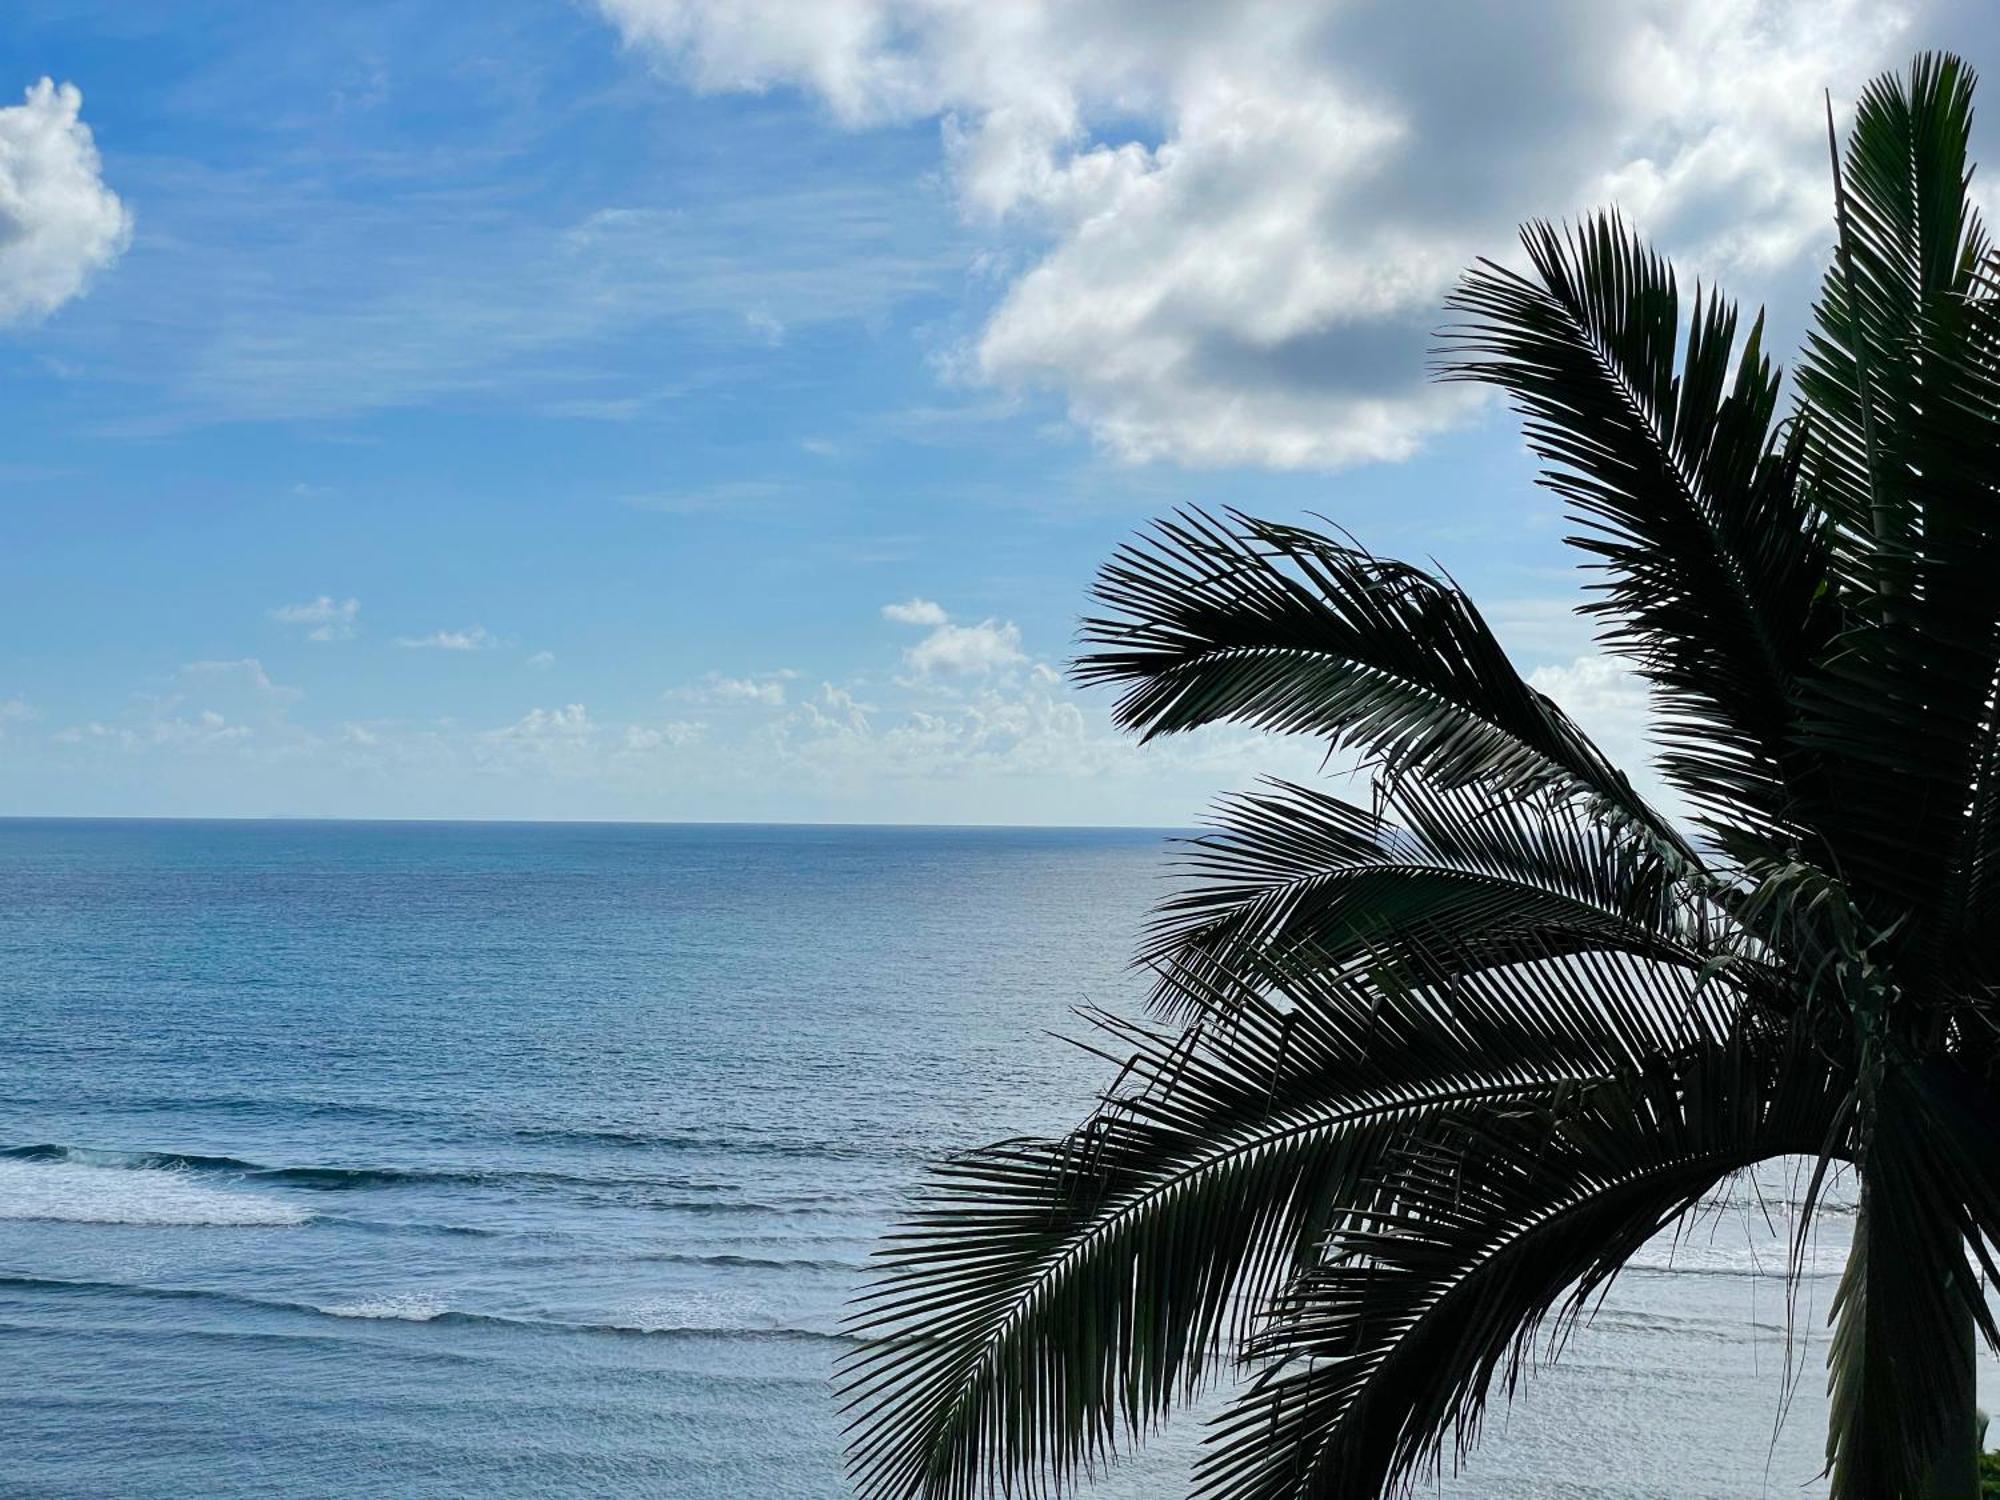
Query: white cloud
x=1008 y=744
x=1225 y=235
x=766 y=688
x=642 y=738
x=734 y=496
x=541 y=661
x=569 y=722
x=245 y=674
x=59 y=223
x=971 y=649
x=15 y=711
x=205 y=729
x=474 y=638
x=1610 y=704
x=915 y=612
x=741 y=690
x=563 y=741
x=1010 y=731
x=962 y=649
x=331 y=619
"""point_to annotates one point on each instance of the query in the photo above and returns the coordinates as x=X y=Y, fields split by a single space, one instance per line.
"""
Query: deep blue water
x=531 y=1160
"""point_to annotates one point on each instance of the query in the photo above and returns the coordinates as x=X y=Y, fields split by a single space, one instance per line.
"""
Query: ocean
x=497 y=1160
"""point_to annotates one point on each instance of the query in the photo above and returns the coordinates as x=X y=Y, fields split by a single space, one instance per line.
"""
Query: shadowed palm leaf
x=1425 y=1074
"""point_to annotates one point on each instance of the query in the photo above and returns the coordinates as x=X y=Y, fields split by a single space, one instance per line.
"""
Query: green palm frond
x=1901 y=388
x=1295 y=877
x=1277 y=628
x=1390 y=1347
x=1051 y=1297
x=1708 y=553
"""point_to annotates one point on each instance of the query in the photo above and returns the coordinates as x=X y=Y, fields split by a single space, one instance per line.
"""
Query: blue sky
x=529 y=410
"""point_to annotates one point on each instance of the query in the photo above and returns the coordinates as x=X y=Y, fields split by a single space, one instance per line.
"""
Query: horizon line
x=1165 y=828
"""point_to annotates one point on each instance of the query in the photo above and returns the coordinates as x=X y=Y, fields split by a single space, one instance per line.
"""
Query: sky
x=661 y=409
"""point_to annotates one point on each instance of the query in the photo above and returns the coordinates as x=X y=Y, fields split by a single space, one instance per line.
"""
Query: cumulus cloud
x=1223 y=234
x=572 y=721
x=59 y=223
x=767 y=688
x=541 y=661
x=970 y=649
x=915 y=612
x=949 y=648
x=328 y=619
x=745 y=690
x=205 y=705
x=473 y=638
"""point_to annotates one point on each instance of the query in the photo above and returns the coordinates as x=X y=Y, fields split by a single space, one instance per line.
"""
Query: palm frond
x=1901 y=390
x=1294 y=876
x=1282 y=630
x=1390 y=1348
x=1709 y=552
x=1052 y=1298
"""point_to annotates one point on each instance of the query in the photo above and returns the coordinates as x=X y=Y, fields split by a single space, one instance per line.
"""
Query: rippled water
x=501 y=1160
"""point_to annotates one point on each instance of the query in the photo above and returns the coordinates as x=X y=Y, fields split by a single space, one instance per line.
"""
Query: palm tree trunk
x=1955 y=1471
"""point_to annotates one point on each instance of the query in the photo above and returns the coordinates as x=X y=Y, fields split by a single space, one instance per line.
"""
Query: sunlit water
x=456 y=1160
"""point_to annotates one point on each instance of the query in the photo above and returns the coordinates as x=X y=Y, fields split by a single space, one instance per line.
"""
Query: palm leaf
x=1901 y=385
x=1052 y=1297
x=1380 y=1354
x=1276 y=628
x=1297 y=877
x=1708 y=551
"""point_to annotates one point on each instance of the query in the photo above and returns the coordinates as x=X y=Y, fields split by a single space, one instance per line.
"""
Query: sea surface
x=344 y=1159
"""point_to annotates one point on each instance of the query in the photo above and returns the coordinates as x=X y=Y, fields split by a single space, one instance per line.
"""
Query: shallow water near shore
x=531 y=1160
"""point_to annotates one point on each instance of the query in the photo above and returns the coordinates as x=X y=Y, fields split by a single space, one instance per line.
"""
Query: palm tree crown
x=1422 y=1075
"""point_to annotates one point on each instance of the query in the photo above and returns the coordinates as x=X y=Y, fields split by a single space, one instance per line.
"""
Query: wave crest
x=66 y=1191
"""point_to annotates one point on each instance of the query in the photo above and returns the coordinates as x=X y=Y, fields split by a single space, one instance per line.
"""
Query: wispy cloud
x=485 y=302
x=328 y=619
x=246 y=672
x=472 y=638
x=642 y=738
x=728 y=496
x=766 y=688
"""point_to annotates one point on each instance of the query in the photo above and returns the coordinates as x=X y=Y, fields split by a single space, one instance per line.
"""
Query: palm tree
x=1421 y=1075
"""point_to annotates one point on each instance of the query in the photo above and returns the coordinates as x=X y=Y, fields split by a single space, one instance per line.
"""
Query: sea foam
x=75 y=1192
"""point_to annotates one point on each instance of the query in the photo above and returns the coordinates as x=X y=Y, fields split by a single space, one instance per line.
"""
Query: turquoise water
x=510 y=1160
